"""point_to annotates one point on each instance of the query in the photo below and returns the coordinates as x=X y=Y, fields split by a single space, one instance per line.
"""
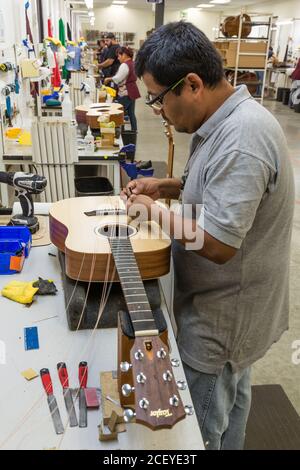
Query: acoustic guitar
x=171 y=151
x=77 y=228
x=98 y=226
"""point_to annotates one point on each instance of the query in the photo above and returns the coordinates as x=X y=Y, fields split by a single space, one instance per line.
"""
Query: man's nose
x=157 y=112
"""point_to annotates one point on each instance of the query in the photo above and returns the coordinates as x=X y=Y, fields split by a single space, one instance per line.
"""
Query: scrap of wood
x=109 y=387
x=112 y=423
x=29 y=374
x=105 y=434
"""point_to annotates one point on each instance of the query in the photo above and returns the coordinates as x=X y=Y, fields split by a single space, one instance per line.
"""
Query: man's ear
x=195 y=82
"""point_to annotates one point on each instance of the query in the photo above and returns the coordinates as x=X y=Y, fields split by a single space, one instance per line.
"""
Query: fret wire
x=145 y=320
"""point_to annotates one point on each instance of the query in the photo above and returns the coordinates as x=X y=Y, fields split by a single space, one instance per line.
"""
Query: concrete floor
x=277 y=366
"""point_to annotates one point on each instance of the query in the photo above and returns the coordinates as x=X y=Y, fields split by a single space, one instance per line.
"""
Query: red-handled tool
x=64 y=380
x=47 y=383
x=82 y=376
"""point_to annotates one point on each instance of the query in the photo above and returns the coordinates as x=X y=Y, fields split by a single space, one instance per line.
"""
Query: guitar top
x=82 y=237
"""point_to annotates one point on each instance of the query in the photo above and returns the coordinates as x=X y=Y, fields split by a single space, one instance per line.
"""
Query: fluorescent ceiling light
x=91 y=13
x=220 y=2
x=120 y=2
x=205 y=5
x=89 y=4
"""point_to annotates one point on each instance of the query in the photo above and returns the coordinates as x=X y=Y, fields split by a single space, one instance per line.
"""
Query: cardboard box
x=228 y=51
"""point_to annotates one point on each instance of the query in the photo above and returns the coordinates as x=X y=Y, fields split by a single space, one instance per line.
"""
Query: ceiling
x=181 y=4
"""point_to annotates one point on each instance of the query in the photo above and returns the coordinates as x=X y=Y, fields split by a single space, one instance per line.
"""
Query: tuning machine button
x=144 y=403
x=168 y=376
x=181 y=384
x=189 y=410
x=128 y=415
x=127 y=390
x=175 y=362
x=139 y=355
x=125 y=366
x=141 y=378
x=161 y=354
x=174 y=400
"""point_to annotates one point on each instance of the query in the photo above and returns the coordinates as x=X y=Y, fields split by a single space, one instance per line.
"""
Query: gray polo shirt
x=240 y=171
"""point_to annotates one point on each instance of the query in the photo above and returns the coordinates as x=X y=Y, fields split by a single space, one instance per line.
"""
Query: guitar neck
x=133 y=288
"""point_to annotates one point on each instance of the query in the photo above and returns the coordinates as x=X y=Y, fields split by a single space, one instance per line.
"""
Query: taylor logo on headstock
x=161 y=413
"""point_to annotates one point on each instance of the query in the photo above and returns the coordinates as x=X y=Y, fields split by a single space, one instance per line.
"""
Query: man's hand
x=107 y=80
x=139 y=206
x=146 y=186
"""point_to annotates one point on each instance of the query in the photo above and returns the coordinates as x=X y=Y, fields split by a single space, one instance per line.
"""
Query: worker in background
x=102 y=50
x=111 y=64
x=126 y=79
x=231 y=234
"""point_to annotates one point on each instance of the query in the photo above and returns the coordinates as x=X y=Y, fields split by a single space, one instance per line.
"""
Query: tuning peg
x=175 y=362
x=139 y=355
x=141 y=378
x=144 y=403
x=174 y=400
x=167 y=376
x=189 y=410
x=128 y=415
x=161 y=354
x=181 y=384
x=127 y=390
x=125 y=366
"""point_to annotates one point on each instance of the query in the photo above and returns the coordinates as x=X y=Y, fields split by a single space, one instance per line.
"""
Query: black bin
x=93 y=186
x=286 y=96
x=280 y=91
x=129 y=137
x=297 y=108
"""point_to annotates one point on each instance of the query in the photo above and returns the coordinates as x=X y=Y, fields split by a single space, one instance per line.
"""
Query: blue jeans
x=222 y=405
x=129 y=107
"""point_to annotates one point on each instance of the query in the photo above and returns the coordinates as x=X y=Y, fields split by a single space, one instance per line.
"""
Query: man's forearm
x=106 y=63
x=169 y=188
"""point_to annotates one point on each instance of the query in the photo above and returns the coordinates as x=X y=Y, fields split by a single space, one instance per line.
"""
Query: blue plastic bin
x=15 y=244
x=21 y=234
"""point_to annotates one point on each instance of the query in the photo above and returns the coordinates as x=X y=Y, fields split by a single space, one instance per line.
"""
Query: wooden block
x=112 y=422
x=105 y=434
x=109 y=387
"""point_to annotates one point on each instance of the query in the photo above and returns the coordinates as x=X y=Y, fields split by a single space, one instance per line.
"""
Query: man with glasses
x=231 y=294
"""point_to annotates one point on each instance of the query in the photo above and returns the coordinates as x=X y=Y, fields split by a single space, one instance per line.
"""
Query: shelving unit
x=252 y=47
x=123 y=38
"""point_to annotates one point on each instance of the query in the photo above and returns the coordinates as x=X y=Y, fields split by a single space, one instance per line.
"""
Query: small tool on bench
x=47 y=383
x=82 y=376
x=64 y=380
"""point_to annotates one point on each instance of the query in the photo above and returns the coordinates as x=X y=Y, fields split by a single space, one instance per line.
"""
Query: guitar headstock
x=168 y=131
x=157 y=400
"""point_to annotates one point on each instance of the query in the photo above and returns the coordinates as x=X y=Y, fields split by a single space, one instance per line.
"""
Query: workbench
x=25 y=419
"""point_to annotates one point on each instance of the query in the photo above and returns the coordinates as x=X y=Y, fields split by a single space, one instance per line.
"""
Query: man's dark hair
x=177 y=49
x=110 y=36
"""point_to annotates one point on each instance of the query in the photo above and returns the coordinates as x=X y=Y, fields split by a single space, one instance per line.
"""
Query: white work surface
x=25 y=418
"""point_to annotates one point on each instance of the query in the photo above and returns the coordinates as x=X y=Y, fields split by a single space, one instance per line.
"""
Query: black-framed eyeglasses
x=157 y=101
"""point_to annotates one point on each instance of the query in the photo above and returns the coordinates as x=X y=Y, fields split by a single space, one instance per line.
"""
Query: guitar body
x=87 y=250
x=231 y=24
x=90 y=115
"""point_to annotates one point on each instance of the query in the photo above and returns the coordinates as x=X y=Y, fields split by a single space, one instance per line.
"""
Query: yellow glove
x=21 y=292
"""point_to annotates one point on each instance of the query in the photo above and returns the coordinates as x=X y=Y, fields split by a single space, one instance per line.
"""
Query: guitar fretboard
x=133 y=288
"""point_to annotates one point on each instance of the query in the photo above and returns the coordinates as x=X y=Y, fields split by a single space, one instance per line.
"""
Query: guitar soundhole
x=116 y=231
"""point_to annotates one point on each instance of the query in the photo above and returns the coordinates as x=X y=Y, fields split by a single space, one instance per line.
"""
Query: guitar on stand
x=171 y=151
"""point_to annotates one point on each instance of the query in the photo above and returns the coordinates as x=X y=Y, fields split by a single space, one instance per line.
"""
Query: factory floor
x=277 y=366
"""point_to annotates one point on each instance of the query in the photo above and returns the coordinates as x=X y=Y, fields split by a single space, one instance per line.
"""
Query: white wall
x=205 y=21
x=282 y=9
x=14 y=21
x=123 y=20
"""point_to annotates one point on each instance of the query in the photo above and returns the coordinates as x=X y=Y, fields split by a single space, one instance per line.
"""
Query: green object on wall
x=62 y=38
